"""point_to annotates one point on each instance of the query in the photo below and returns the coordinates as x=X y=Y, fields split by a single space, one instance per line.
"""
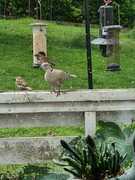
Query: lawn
x=66 y=46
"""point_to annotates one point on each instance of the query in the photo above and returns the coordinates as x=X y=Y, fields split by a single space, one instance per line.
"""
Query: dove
x=21 y=84
x=55 y=77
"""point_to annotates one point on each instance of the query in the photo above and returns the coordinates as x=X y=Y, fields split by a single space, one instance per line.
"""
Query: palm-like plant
x=92 y=162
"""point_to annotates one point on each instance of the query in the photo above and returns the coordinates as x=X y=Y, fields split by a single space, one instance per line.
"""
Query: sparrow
x=42 y=58
x=21 y=84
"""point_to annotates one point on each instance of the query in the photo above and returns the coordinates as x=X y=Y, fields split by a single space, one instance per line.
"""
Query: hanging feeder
x=39 y=40
x=39 y=35
x=108 y=40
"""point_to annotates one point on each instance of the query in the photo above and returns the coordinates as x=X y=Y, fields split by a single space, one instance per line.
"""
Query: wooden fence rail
x=42 y=109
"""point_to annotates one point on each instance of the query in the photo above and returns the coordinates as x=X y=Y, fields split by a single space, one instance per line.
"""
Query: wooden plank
x=82 y=95
x=67 y=107
x=29 y=150
x=29 y=120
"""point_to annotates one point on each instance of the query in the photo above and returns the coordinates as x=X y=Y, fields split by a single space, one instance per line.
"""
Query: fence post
x=90 y=123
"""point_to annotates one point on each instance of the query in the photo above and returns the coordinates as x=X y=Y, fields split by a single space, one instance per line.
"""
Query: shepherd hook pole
x=88 y=44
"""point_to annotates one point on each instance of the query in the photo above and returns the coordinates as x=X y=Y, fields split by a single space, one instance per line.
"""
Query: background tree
x=66 y=10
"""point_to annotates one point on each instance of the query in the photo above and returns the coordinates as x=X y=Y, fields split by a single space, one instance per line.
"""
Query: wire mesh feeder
x=113 y=47
x=108 y=40
x=110 y=46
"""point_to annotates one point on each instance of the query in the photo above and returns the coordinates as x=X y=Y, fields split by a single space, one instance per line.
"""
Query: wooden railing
x=42 y=109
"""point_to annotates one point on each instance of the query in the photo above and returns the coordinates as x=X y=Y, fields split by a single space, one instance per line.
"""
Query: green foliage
x=65 y=10
x=109 y=129
x=32 y=172
x=111 y=132
x=28 y=172
x=89 y=161
x=130 y=173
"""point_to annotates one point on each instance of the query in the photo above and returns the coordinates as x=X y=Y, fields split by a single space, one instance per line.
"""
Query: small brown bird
x=21 y=84
x=55 y=77
x=42 y=58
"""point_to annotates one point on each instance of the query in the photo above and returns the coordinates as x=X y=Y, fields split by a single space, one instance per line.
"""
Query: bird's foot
x=64 y=92
x=57 y=93
x=52 y=91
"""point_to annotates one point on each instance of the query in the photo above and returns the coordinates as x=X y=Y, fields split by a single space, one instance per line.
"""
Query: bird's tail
x=69 y=76
x=28 y=88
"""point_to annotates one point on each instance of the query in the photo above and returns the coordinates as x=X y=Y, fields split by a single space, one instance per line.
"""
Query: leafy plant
x=110 y=132
x=130 y=173
x=89 y=161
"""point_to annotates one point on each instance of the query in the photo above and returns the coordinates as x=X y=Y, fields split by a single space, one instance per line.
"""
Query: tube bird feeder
x=108 y=40
x=39 y=40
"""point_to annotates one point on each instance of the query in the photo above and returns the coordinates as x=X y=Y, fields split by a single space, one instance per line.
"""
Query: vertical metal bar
x=37 y=10
x=51 y=9
x=40 y=5
x=88 y=44
x=29 y=7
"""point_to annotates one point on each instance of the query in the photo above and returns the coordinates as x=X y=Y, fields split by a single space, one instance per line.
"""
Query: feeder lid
x=38 y=24
x=112 y=27
x=102 y=41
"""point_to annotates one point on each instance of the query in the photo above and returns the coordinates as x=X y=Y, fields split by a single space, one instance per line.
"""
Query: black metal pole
x=88 y=44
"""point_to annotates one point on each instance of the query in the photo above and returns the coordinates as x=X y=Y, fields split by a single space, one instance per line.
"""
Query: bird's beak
x=36 y=55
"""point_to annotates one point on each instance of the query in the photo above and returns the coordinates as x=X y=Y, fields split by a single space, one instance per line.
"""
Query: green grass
x=48 y=131
x=66 y=45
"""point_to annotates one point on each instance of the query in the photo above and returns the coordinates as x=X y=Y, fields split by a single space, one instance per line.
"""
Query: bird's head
x=41 y=57
x=40 y=54
x=18 y=78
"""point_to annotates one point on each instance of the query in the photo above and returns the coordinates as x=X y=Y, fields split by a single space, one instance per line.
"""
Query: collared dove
x=55 y=77
x=21 y=84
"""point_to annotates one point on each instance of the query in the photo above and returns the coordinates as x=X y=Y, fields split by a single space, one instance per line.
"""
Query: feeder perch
x=39 y=40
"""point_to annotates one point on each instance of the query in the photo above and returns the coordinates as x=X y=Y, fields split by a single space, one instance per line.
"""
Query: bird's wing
x=54 y=76
x=24 y=83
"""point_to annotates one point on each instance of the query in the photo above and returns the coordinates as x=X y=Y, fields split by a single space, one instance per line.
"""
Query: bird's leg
x=58 y=91
x=52 y=90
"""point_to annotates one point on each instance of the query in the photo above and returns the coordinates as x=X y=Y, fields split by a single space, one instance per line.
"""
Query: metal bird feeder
x=109 y=36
